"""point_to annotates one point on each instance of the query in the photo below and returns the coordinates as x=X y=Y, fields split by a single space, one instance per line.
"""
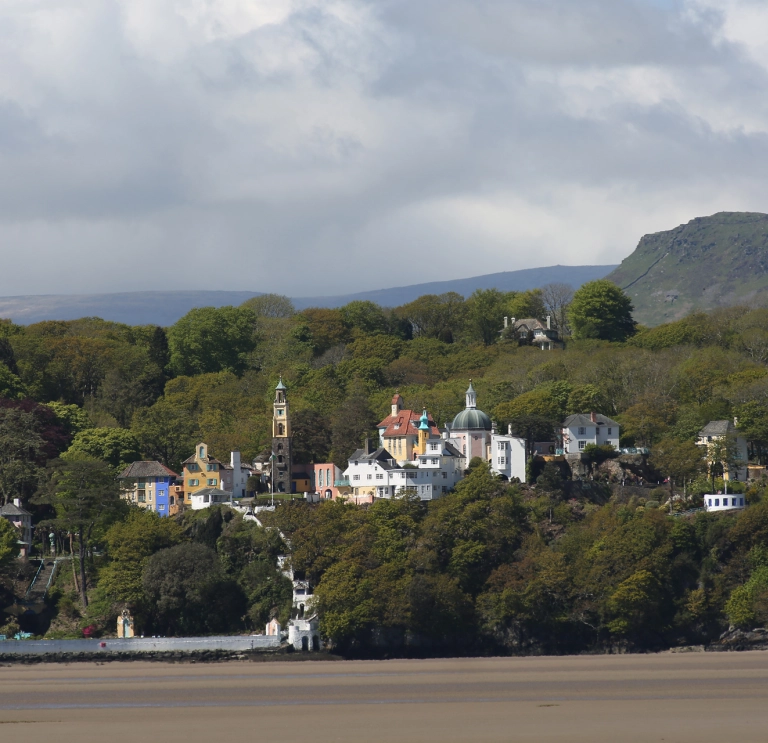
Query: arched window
x=280 y=429
x=202 y=452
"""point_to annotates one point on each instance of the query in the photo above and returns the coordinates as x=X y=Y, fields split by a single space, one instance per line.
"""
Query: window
x=433 y=447
x=610 y=432
x=161 y=507
x=379 y=477
x=582 y=444
x=193 y=483
x=502 y=460
x=741 y=501
x=141 y=496
x=202 y=452
x=435 y=461
x=582 y=431
x=212 y=482
x=709 y=502
x=370 y=477
x=355 y=477
x=445 y=475
x=280 y=429
x=717 y=501
x=279 y=412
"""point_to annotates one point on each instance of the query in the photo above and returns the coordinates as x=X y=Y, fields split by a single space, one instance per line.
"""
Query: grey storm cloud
x=327 y=147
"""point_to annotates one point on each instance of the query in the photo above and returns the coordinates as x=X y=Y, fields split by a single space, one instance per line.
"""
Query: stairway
x=39 y=586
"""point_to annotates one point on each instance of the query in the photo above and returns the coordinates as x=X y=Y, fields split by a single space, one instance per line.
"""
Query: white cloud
x=351 y=144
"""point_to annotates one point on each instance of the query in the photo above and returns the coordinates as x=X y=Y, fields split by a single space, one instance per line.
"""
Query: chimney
x=506 y=323
x=509 y=429
x=512 y=321
x=17 y=502
x=368 y=449
x=549 y=322
x=593 y=417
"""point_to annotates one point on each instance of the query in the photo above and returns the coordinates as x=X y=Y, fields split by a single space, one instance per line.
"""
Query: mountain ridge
x=715 y=261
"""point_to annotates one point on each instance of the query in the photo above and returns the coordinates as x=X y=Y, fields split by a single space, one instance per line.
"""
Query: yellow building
x=201 y=471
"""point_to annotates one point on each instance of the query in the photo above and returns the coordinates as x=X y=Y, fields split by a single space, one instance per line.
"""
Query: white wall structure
x=583 y=429
x=508 y=456
x=724 y=502
x=303 y=598
x=304 y=634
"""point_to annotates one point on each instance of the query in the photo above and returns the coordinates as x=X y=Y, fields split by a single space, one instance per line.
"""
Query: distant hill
x=507 y=281
x=142 y=308
x=714 y=261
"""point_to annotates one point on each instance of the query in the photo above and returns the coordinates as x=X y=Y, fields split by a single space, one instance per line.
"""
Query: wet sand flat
x=676 y=698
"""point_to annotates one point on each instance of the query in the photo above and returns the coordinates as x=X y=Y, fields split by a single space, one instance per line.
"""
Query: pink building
x=328 y=480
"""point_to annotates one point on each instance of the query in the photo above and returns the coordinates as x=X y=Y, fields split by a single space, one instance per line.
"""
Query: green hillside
x=710 y=262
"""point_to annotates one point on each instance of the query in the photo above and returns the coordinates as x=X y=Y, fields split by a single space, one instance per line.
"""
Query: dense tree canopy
x=551 y=565
x=600 y=309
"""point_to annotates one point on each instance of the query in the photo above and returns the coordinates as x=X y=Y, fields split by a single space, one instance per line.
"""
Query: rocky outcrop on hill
x=710 y=262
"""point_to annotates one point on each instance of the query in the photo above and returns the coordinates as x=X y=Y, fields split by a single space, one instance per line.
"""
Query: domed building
x=472 y=429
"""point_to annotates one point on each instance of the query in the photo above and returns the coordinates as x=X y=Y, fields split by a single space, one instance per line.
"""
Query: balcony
x=343 y=483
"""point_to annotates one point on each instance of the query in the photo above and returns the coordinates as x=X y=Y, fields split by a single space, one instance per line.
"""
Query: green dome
x=471 y=419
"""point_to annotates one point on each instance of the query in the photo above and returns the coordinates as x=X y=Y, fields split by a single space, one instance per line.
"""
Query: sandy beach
x=676 y=698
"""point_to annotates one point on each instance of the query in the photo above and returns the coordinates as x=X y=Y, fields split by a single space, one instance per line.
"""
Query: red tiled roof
x=407 y=422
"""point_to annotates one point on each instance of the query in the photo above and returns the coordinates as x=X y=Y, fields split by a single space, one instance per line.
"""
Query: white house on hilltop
x=717 y=431
x=507 y=455
x=581 y=429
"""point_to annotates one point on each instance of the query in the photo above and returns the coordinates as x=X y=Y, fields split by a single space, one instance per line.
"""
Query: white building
x=304 y=634
x=581 y=429
x=724 y=502
x=430 y=475
x=508 y=455
x=20 y=518
x=715 y=432
x=234 y=476
x=303 y=598
x=208 y=497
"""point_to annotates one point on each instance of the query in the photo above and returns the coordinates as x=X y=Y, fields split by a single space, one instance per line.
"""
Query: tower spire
x=471 y=397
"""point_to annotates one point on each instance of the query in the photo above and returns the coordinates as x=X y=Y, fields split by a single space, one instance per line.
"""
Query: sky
x=316 y=147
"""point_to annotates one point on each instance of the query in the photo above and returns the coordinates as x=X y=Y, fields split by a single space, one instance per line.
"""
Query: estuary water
x=670 y=697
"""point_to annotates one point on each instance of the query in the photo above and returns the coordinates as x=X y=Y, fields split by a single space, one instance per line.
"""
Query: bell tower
x=281 y=441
